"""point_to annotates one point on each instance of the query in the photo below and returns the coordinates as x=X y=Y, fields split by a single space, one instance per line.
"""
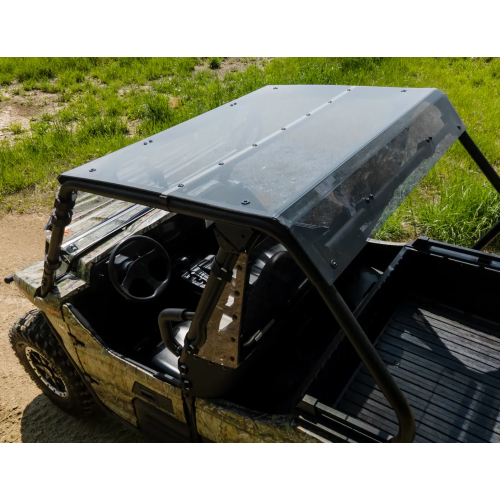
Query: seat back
x=273 y=279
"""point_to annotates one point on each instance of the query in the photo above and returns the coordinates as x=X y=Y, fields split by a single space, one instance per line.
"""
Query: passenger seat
x=274 y=277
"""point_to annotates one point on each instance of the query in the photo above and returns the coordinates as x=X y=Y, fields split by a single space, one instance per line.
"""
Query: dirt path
x=26 y=415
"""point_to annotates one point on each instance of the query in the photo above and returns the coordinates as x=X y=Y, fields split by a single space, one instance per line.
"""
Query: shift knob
x=184 y=263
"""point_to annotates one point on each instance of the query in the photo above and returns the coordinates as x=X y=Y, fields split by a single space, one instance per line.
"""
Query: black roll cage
x=65 y=202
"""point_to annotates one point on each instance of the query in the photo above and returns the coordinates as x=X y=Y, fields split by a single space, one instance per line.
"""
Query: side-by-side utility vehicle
x=219 y=281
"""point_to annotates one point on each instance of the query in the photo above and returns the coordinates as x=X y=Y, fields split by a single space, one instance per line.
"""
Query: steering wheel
x=131 y=270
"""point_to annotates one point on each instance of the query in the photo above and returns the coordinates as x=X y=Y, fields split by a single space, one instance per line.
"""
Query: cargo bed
x=447 y=364
x=433 y=317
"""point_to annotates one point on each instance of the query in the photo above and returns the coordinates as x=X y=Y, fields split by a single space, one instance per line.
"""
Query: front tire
x=41 y=355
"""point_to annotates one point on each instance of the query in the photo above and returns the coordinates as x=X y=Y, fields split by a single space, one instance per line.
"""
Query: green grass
x=16 y=128
x=103 y=98
x=214 y=63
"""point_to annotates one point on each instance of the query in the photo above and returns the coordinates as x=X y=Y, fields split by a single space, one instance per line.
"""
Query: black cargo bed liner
x=448 y=365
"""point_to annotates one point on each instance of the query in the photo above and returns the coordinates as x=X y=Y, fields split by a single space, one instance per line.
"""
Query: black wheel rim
x=46 y=372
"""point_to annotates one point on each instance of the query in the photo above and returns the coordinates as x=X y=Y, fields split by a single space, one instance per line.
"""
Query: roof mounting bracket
x=221 y=273
x=234 y=239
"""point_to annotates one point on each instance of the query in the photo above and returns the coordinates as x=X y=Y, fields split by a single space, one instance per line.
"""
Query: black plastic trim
x=153 y=397
x=159 y=425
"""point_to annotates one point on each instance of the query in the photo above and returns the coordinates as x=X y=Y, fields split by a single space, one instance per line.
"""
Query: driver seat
x=163 y=359
x=273 y=278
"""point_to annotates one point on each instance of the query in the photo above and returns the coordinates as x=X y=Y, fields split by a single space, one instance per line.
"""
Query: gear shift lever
x=184 y=264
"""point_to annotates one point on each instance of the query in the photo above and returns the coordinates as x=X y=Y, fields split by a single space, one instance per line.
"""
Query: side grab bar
x=165 y=319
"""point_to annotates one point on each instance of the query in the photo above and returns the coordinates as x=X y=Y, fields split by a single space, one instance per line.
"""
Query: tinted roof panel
x=172 y=157
x=319 y=136
x=285 y=164
x=330 y=162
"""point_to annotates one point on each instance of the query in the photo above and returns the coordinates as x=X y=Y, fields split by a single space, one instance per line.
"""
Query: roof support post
x=488 y=237
x=481 y=161
x=490 y=173
x=370 y=357
x=61 y=217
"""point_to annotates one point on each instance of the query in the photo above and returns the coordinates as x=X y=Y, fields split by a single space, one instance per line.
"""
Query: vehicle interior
x=132 y=330
x=275 y=357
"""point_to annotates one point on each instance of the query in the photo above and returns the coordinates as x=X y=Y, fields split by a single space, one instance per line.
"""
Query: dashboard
x=198 y=273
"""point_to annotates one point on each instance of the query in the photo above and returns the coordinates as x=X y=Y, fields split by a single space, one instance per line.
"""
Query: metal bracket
x=234 y=239
x=221 y=273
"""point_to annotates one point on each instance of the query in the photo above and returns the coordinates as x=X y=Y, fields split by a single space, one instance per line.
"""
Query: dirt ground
x=26 y=415
x=230 y=64
x=23 y=108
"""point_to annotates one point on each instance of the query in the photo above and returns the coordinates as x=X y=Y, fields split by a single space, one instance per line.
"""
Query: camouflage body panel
x=224 y=422
x=62 y=329
x=29 y=280
x=223 y=328
x=113 y=376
